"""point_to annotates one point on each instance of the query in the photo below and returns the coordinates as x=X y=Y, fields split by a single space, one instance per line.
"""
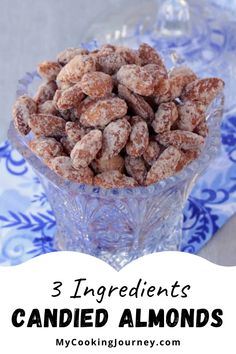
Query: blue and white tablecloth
x=27 y=224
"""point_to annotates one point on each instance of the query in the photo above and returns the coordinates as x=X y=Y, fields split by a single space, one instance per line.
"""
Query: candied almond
x=165 y=116
x=202 y=129
x=114 y=163
x=103 y=111
x=107 y=48
x=76 y=68
x=204 y=90
x=85 y=150
x=64 y=85
x=161 y=83
x=83 y=106
x=179 y=78
x=152 y=152
x=49 y=70
x=135 y=167
x=135 y=119
x=172 y=88
x=23 y=107
x=165 y=165
x=115 y=137
x=191 y=113
x=48 y=107
x=74 y=131
x=46 y=147
x=114 y=179
x=137 y=103
x=186 y=158
x=182 y=139
x=109 y=62
x=163 y=98
x=67 y=145
x=149 y=55
x=67 y=114
x=47 y=125
x=70 y=97
x=136 y=78
x=138 y=139
x=56 y=96
x=69 y=53
x=45 y=92
x=62 y=165
x=130 y=55
x=96 y=84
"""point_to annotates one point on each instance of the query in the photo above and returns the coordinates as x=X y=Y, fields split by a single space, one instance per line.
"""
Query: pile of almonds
x=115 y=117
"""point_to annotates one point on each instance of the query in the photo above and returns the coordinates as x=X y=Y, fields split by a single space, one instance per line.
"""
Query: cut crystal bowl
x=118 y=225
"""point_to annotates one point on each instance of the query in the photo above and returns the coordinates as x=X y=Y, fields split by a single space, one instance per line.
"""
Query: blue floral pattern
x=27 y=224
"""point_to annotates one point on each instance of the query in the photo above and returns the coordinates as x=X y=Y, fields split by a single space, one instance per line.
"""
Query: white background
x=30 y=286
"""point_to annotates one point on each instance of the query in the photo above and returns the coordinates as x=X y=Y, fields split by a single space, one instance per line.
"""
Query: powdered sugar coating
x=66 y=114
x=152 y=152
x=109 y=62
x=103 y=111
x=165 y=116
x=62 y=165
x=66 y=55
x=136 y=78
x=46 y=148
x=57 y=96
x=64 y=85
x=114 y=163
x=23 y=107
x=180 y=77
x=135 y=167
x=191 y=113
x=137 y=103
x=115 y=137
x=45 y=92
x=138 y=140
x=149 y=55
x=204 y=90
x=76 y=68
x=165 y=166
x=70 y=97
x=86 y=150
x=130 y=55
x=49 y=70
x=106 y=48
x=114 y=179
x=47 y=125
x=182 y=139
x=74 y=131
x=165 y=97
x=186 y=158
x=67 y=145
x=96 y=84
x=48 y=107
x=202 y=129
x=83 y=106
x=161 y=83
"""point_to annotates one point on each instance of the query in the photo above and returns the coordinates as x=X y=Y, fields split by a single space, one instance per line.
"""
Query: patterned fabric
x=27 y=224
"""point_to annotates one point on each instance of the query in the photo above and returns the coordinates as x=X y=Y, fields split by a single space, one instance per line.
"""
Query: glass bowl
x=118 y=225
